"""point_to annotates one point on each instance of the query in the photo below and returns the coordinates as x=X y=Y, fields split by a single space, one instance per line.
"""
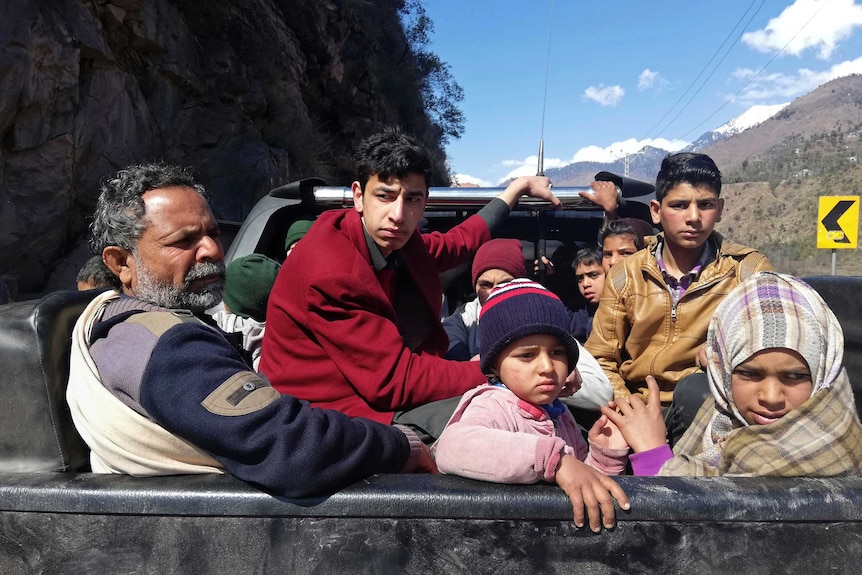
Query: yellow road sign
x=838 y=222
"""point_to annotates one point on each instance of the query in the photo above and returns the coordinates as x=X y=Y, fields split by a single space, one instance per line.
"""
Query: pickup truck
x=57 y=517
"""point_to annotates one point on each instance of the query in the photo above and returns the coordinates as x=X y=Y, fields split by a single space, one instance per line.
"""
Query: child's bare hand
x=700 y=360
x=607 y=435
x=549 y=266
x=641 y=423
x=588 y=488
x=573 y=384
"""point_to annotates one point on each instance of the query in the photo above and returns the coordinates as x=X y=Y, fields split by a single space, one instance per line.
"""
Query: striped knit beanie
x=517 y=309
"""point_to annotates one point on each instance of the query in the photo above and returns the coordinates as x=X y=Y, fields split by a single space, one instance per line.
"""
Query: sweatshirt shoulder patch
x=158 y=322
x=242 y=393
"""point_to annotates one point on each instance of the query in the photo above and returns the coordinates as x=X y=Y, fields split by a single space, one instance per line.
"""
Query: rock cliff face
x=251 y=93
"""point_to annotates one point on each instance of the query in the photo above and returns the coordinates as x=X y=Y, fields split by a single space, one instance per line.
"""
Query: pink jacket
x=495 y=436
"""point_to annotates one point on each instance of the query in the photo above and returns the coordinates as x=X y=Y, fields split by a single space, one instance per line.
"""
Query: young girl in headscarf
x=781 y=402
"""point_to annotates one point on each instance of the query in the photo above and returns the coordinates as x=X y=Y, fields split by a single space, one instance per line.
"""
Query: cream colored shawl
x=120 y=439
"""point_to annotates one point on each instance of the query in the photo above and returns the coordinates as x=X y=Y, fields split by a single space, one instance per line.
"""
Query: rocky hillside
x=833 y=108
x=252 y=93
x=777 y=170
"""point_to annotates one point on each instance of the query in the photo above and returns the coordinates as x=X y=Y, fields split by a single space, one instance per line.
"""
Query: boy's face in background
x=534 y=368
x=490 y=279
x=616 y=248
x=688 y=215
x=769 y=384
x=591 y=281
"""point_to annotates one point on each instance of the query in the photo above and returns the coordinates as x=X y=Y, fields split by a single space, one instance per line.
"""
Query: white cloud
x=597 y=154
x=605 y=95
x=780 y=86
x=817 y=24
x=617 y=150
x=648 y=79
x=462 y=179
x=510 y=163
x=528 y=167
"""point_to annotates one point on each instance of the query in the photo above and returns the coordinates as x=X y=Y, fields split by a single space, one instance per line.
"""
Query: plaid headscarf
x=822 y=437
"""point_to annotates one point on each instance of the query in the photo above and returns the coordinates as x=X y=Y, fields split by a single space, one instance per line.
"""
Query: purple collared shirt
x=679 y=286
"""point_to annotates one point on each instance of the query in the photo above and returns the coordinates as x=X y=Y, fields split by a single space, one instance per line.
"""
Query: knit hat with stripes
x=517 y=309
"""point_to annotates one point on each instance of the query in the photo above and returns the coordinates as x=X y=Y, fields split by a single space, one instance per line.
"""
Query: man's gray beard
x=165 y=294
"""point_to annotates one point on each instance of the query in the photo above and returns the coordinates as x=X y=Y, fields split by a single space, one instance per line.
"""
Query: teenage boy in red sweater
x=354 y=317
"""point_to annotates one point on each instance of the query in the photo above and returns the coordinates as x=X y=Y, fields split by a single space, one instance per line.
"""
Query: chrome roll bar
x=454 y=198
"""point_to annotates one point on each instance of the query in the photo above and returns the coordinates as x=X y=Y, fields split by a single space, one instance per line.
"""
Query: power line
x=704 y=68
x=754 y=77
x=714 y=69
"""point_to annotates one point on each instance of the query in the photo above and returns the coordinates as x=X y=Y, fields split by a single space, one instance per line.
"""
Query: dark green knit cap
x=295 y=232
x=248 y=281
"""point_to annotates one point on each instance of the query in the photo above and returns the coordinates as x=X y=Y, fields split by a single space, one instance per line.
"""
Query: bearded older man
x=156 y=389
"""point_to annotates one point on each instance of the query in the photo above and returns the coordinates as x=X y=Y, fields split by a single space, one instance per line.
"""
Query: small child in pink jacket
x=514 y=429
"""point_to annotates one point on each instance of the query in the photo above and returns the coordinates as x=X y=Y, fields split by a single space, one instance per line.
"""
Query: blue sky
x=624 y=73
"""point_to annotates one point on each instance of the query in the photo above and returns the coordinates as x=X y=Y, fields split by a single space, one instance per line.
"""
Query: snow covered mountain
x=645 y=164
x=762 y=133
x=748 y=119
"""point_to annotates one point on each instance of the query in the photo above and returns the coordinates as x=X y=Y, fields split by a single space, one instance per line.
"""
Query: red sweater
x=332 y=333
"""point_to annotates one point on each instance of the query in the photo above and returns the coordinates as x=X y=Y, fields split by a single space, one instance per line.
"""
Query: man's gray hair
x=119 y=219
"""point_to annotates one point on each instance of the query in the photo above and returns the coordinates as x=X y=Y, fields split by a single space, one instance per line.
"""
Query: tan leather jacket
x=637 y=329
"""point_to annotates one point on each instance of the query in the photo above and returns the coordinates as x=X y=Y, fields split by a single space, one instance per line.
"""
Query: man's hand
x=534 y=186
x=588 y=488
x=607 y=435
x=604 y=196
x=426 y=462
x=641 y=423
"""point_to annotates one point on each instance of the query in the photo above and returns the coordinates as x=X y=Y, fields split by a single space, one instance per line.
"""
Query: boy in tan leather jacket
x=656 y=304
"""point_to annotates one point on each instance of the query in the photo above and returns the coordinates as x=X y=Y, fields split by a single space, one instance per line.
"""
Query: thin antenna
x=541 y=170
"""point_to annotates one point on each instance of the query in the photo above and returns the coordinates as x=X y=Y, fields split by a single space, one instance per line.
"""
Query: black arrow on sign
x=830 y=220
